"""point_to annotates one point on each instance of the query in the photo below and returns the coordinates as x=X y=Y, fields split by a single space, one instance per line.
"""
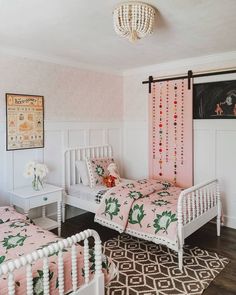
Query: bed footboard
x=94 y=286
x=197 y=205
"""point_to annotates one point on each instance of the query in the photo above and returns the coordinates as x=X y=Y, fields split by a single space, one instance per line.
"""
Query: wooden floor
x=224 y=284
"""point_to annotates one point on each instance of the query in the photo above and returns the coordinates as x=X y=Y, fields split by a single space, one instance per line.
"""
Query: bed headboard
x=81 y=153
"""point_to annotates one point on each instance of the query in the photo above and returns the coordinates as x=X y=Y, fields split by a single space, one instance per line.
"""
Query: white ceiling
x=81 y=31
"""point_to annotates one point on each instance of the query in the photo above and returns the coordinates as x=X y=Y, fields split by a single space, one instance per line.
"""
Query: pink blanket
x=146 y=208
x=18 y=237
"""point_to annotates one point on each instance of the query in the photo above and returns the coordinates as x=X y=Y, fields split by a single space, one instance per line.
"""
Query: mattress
x=90 y=194
x=85 y=192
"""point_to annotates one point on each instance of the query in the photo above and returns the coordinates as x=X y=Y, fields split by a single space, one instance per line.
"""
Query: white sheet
x=87 y=193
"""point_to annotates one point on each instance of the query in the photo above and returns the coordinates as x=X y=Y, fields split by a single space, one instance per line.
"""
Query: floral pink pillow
x=97 y=169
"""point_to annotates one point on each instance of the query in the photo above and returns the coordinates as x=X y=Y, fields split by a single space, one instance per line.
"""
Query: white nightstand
x=27 y=198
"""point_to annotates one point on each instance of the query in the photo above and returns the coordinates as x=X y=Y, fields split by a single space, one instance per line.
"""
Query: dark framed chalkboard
x=214 y=100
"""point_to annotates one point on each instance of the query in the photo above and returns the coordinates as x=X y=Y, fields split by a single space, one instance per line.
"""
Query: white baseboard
x=230 y=221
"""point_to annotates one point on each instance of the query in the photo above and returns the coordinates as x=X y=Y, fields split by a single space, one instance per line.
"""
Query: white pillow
x=82 y=170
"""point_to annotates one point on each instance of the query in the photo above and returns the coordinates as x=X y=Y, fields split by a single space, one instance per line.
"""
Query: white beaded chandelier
x=133 y=20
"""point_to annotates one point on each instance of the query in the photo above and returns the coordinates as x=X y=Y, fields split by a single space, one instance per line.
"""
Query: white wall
x=214 y=140
x=81 y=108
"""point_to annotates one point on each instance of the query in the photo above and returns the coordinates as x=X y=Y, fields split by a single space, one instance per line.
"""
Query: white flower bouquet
x=37 y=172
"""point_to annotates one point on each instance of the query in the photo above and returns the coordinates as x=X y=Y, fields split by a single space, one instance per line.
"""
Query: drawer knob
x=45 y=198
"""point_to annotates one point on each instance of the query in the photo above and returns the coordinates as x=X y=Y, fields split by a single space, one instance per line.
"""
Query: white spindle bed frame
x=197 y=205
x=93 y=286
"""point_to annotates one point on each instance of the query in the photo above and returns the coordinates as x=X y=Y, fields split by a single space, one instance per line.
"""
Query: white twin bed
x=35 y=261
x=197 y=205
x=76 y=193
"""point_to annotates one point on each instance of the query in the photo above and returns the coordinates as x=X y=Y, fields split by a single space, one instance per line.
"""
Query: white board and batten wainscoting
x=214 y=156
x=58 y=137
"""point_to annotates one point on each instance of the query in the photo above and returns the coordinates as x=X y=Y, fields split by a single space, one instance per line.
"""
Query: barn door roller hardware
x=189 y=76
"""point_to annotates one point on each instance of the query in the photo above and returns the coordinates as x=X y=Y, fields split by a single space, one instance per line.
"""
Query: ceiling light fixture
x=133 y=20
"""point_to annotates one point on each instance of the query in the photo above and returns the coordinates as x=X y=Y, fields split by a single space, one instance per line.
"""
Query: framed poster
x=24 y=121
x=214 y=100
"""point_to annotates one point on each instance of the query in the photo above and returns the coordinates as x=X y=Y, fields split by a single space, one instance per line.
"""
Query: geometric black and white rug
x=145 y=268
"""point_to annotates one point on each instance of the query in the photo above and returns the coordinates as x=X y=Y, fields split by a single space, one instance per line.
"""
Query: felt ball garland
x=160 y=131
x=167 y=122
x=170 y=106
x=153 y=122
x=175 y=102
x=182 y=125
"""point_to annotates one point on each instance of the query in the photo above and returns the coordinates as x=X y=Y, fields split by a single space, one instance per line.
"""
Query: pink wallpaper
x=171 y=135
x=70 y=94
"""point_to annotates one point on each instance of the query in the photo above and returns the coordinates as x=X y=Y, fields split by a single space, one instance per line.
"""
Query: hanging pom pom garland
x=182 y=124
x=171 y=132
x=160 y=131
x=175 y=102
x=167 y=122
x=153 y=131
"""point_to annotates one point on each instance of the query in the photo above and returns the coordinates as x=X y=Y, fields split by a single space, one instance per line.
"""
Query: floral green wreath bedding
x=146 y=208
x=19 y=237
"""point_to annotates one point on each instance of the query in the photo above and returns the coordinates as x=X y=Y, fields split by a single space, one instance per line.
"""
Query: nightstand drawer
x=45 y=199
